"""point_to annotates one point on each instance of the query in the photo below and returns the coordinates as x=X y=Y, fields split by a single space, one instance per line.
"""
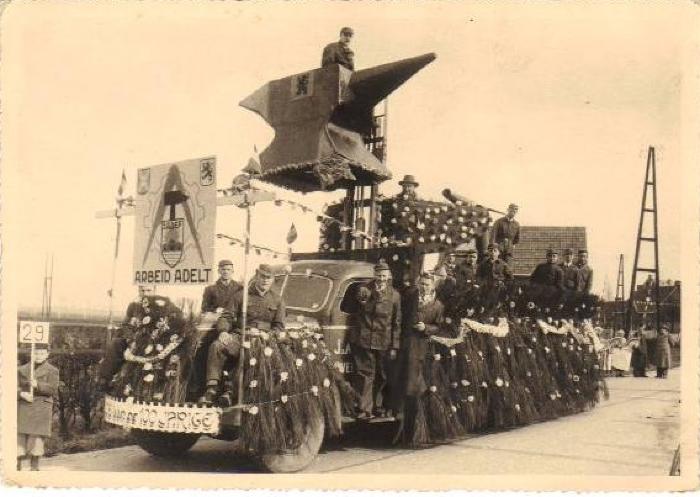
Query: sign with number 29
x=33 y=332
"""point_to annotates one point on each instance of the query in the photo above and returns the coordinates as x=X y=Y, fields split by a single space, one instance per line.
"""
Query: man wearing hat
x=408 y=188
x=506 y=233
x=35 y=406
x=571 y=278
x=265 y=313
x=376 y=338
x=340 y=52
x=219 y=296
x=493 y=274
x=549 y=273
x=585 y=272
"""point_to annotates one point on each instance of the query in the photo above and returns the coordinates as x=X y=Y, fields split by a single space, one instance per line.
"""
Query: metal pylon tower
x=48 y=289
x=649 y=183
x=619 y=321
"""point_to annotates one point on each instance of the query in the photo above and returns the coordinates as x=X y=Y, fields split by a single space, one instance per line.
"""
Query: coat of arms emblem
x=206 y=172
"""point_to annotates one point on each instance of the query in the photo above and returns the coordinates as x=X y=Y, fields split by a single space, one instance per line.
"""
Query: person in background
x=506 y=233
x=446 y=272
x=408 y=188
x=340 y=52
x=377 y=338
x=219 y=296
x=549 y=273
x=422 y=316
x=114 y=352
x=494 y=276
x=639 y=355
x=35 y=406
x=663 y=353
x=571 y=280
x=585 y=272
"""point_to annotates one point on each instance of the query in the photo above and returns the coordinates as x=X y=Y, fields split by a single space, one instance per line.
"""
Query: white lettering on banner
x=159 y=417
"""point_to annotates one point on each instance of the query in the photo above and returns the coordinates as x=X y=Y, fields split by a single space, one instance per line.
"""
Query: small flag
x=253 y=167
x=122 y=185
x=292 y=235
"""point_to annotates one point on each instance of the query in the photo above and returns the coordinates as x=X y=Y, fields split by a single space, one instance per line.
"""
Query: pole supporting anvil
x=320 y=119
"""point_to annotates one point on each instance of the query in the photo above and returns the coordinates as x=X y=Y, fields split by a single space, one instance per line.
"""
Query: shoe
x=225 y=400
x=364 y=416
x=209 y=396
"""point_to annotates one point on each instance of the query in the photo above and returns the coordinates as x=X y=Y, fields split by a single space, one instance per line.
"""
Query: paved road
x=633 y=433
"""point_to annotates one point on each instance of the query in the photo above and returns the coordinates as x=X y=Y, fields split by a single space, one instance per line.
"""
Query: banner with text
x=175 y=223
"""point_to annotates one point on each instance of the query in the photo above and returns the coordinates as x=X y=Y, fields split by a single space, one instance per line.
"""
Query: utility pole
x=649 y=183
x=48 y=289
x=619 y=321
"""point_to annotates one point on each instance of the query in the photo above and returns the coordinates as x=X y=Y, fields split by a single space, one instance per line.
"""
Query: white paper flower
x=528 y=374
x=311 y=356
x=453 y=352
x=484 y=384
x=433 y=388
x=507 y=383
x=498 y=349
x=282 y=334
x=174 y=359
x=437 y=357
x=158 y=396
x=454 y=384
x=146 y=319
x=481 y=354
x=517 y=407
x=448 y=320
x=148 y=349
x=546 y=349
x=246 y=344
x=298 y=362
x=465 y=383
x=304 y=344
x=314 y=390
x=127 y=389
x=552 y=396
x=147 y=366
x=283 y=376
x=326 y=382
x=454 y=409
x=499 y=382
x=148 y=378
x=253 y=410
x=253 y=361
x=470 y=398
x=174 y=338
x=253 y=383
x=283 y=399
x=576 y=378
x=267 y=351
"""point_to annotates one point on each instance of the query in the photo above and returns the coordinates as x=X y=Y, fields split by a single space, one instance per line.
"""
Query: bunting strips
x=259 y=249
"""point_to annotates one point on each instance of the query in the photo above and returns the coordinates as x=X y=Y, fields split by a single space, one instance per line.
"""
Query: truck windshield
x=305 y=292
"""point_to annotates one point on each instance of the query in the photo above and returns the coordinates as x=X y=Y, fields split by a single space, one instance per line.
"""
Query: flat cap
x=381 y=266
x=225 y=262
x=568 y=251
x=265 y=270
x=513 y=206
x=492 y=246
x=347 y=30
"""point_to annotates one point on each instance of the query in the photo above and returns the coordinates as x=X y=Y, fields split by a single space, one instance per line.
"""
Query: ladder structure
x=649 y=208
x=361 y=201
x=620 y=311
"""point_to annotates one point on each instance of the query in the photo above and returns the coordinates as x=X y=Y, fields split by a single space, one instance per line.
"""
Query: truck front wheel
x=291 y=461
x=164 y=444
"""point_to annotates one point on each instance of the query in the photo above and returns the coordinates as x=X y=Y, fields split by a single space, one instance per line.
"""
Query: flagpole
x=118 y=215
x=244 y=305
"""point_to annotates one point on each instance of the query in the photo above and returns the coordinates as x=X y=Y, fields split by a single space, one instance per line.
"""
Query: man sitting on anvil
x=265 y=314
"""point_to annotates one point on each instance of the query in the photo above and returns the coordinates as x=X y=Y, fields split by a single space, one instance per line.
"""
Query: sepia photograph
x=436 y=245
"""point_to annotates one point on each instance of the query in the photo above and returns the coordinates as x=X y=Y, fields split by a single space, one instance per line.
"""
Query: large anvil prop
x=320 y=118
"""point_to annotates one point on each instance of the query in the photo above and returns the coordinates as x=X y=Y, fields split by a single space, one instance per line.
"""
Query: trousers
x=372 y=378
x=218 y=355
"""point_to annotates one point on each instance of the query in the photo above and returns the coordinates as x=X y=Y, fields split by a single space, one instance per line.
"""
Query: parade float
x=501 y=359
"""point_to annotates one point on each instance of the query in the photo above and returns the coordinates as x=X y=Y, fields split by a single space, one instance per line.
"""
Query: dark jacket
x=585 y=281
x=548 y=274
x=414 y=343
x=571 y=278
x=337 y=53
x=506 y=233
x=34 y=418
x=265 y=312
x=465 y=275
x=220 y=295
x=663 y=351
x=492 y=273
x=378 y=318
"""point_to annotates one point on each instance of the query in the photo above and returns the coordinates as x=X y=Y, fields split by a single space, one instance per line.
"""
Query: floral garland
x=501 y=330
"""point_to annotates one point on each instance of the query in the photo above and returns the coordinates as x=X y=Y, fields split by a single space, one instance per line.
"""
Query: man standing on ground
x=340 y=52
x=506 y=233
x=35 y=406
x=585 y=272
x=265 y=313
x=377 y=337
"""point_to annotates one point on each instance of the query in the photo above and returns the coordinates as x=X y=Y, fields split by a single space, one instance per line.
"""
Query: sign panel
x=34 y=332
x=160 y=417
x=175 y=221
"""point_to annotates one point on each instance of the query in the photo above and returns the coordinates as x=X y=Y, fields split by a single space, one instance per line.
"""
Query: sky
x=549 y=105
